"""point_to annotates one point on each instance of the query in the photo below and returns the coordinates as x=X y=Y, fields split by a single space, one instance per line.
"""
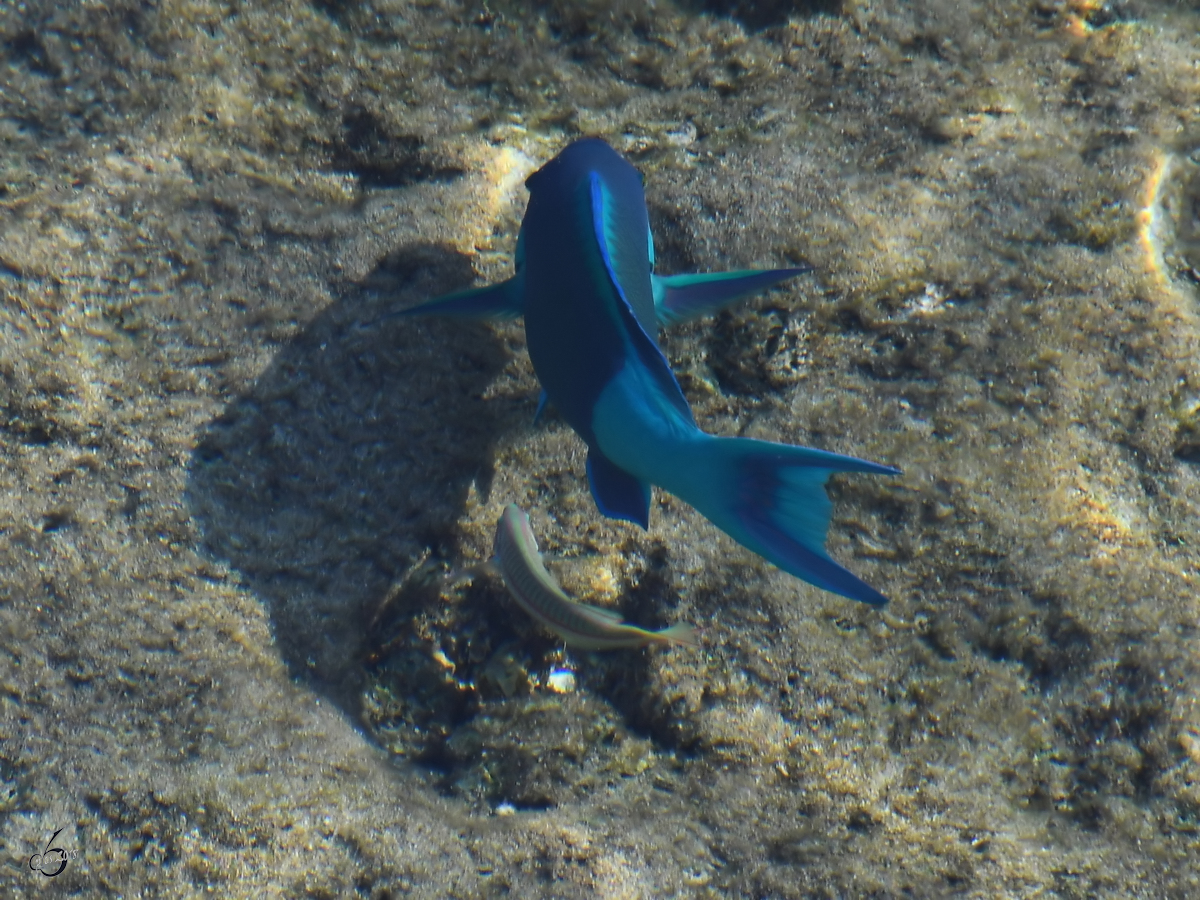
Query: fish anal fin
x=618 y=494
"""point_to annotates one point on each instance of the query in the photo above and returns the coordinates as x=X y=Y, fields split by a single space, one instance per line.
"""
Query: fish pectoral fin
x=496 y=301
x=618 y=494
x=682 y=298
x=543 y=399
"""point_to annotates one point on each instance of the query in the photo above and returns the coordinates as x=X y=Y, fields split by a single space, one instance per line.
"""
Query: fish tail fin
x=681 y=298
x=680 y=634
x=771 y=498
x=496 y=301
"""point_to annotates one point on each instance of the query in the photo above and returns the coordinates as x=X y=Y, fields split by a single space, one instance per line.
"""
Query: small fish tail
x=681 y=634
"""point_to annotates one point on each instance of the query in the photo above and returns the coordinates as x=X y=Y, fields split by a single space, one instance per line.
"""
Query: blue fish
x=584 y=282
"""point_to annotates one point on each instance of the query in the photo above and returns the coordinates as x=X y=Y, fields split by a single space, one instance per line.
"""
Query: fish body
x=592 y=305
x=516 y=556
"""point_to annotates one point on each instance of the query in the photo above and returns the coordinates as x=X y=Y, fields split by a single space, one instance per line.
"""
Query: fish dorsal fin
x=643 y=344
x=599 y=614
x=618 y=232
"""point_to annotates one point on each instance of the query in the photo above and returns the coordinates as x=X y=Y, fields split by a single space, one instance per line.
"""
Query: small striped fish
x=515 y=554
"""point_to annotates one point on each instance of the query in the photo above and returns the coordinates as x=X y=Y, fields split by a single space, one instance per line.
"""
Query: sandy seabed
x=231 y=489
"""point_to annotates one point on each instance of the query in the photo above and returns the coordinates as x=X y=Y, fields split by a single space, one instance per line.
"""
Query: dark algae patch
x=236 y=498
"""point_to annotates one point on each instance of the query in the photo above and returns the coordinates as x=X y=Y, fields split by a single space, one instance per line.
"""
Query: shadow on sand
x=351 y=454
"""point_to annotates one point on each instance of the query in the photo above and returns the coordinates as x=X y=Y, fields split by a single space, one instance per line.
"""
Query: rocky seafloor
x=239 y=503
